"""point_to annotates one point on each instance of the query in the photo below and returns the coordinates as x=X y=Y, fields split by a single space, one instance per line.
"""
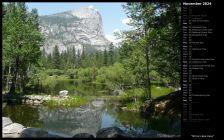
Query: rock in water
x=97 y=103
x=83 y=135
x=6 y=121
x=13 y=128
x=169 y=104
x=63 y=93
x=111 y=132
x=34 y=133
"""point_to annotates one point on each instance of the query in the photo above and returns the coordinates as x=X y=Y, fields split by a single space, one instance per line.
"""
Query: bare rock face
x=75 y=28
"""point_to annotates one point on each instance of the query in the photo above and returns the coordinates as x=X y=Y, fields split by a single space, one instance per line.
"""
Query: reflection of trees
x=135 y=120
x=72 y=86
x=164 y=124
x=25 y=115
x=126 y=118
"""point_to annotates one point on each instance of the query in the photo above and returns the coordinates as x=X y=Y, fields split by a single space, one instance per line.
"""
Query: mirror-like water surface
x=89 y=119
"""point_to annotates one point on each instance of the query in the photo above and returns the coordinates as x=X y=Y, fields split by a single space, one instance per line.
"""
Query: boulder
x=36 y=102
x=97 y=103
x=83 y=135
x=33 y=133
x=30 y=102
x=13 y=128
x=63 y=93
x=6 y=121
x=46 y=98
x=169 y=104
x=52 y=134
x=111 y=132
x=15 y=135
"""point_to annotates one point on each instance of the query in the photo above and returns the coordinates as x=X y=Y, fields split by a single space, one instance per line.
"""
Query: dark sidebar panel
x=198 y=69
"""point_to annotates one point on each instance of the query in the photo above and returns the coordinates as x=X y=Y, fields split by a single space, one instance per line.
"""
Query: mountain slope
x=75 y=28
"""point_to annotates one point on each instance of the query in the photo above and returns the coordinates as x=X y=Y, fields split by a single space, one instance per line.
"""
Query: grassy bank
x=71 y=101
x=133 y=99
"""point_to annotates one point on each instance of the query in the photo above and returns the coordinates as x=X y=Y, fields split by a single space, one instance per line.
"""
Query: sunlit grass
x=158 y=91
x=133 y=99
x=71 y=101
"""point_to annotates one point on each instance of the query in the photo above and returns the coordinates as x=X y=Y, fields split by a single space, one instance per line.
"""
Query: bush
x=52 y=72
x=114 y=76
x=72 y=73
x=85 y=74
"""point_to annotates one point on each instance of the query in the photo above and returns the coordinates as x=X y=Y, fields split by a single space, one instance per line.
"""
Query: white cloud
x=116 y=30
x=126 y=21
x=110 y=37
x=91 y=6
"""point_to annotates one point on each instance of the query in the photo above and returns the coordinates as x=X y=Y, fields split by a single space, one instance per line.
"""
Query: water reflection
x=74 y=88
x=72 y=120
x=89 y=119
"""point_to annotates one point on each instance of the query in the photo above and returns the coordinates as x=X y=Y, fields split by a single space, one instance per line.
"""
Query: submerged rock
x=33 y=133
x=111 y=132
x=83 y=135
x=97 y=103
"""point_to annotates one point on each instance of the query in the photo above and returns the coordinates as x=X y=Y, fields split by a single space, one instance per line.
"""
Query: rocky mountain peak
x=75 y=28
x=86 y=12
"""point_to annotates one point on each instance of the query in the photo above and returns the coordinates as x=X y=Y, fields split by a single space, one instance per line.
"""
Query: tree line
x=74 y=58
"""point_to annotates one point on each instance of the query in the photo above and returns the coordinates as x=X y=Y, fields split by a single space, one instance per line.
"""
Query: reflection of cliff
x=72 y=120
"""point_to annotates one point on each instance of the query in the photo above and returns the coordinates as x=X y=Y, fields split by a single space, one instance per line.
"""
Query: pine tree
x=105 y=62
x=79 y=59
x=56 y=58
x=73 y=57
x=111 y=54
x=21 y=42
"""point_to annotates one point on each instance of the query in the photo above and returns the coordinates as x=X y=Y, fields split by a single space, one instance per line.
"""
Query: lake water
x=89 y=119
x=74 y=88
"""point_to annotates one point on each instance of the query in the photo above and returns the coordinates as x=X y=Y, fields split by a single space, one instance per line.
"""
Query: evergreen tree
x=105 y=57
x=73 y=57
x=49 y=62
x=111 y=54
x=79 y=59
x=157 y=38
x=56 y=58
x=21 y=42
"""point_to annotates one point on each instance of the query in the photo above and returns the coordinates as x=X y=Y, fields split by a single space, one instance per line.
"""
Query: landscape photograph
x=91 y=70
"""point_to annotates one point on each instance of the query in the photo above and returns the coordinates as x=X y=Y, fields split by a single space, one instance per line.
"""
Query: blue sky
x=113 y=15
